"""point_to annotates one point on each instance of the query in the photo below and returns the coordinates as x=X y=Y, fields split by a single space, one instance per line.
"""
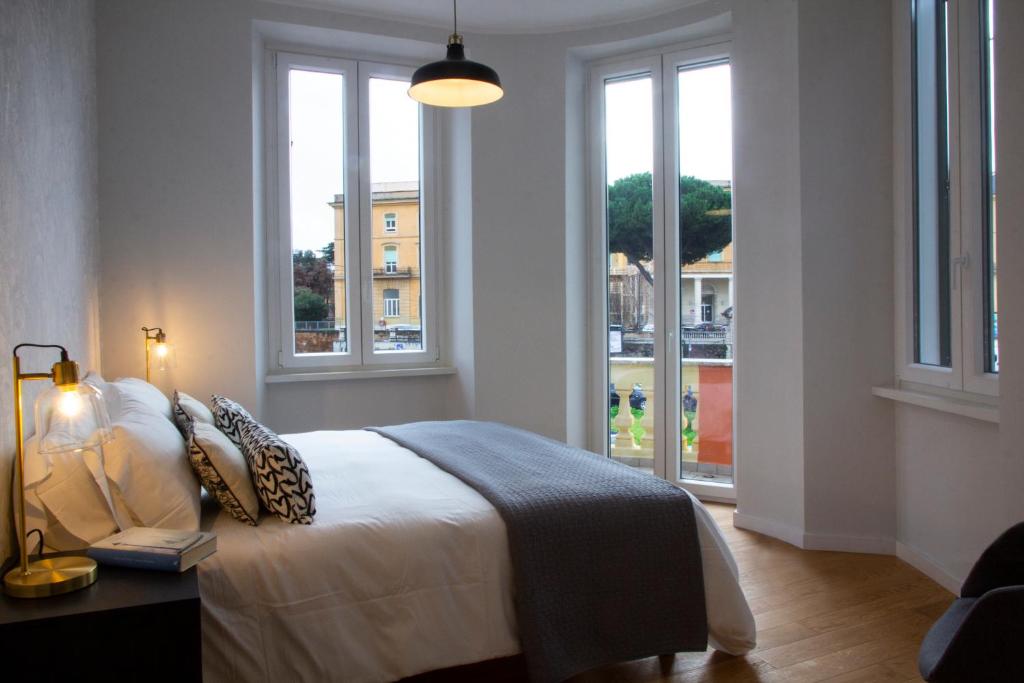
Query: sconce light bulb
x=70 y=403
x=161 y=350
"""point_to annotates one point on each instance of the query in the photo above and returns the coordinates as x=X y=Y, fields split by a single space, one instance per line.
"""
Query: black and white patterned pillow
x=230 y=416
x=279 y=475
x=222 y=470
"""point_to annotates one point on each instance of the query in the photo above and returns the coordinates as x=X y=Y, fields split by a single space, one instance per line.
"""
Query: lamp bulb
x=70 y=403
x=161 y=350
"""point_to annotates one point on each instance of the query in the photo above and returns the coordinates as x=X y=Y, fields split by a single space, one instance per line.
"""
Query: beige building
x=396 y=255
x=706 y=291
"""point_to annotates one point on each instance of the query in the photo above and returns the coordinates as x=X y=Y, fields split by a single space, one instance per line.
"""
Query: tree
x=705 y=221
x=309 y=305
x=328 y=252
x=312 y=272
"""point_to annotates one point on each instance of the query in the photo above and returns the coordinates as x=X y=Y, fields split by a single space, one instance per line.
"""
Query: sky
x=705 y=125
x=317 y=150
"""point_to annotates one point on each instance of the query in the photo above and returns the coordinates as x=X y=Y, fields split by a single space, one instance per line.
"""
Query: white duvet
x=405 y=570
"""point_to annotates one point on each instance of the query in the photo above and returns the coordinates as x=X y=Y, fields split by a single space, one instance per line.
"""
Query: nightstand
x=129 y=625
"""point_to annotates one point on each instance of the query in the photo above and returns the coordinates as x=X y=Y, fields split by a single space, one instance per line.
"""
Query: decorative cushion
x=279 y=475
x=229 y=416
x=222 y=469
x=186 y=409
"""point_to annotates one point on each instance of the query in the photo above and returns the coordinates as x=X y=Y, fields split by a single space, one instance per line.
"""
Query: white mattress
x=405 y=569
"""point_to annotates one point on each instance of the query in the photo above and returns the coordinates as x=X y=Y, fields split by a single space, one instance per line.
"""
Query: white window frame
x=361 y=355
x=967 y=375
x=390 y=267
x=390 y=221
x=662 y=66
x=397 y=303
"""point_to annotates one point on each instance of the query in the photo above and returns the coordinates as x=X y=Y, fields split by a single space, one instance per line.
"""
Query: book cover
x=160 y=549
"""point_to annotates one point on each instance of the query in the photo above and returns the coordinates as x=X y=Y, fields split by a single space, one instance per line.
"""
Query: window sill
x=363 y=373
x=978 y=410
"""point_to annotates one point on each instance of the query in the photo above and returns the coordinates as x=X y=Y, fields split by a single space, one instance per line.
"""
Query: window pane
x=395 y=205
x=989 y=146
x=629 y=159
x=931 y=185
x=706 y=287
x=316 y=124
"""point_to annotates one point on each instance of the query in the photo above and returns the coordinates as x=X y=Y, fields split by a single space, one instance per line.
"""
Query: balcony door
x=662 y=370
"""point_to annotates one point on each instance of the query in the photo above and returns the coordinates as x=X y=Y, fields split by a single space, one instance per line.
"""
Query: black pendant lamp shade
x=455 y=81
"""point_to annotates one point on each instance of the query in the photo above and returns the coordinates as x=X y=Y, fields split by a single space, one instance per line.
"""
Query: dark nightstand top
x=115 y=588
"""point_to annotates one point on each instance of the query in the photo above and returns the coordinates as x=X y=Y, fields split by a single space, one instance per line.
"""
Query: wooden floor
x=820 y=616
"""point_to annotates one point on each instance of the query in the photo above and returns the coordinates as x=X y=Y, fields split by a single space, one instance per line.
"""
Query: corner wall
x=48 y=230
x=846 y=189
x=813 y=184
x=769 y=280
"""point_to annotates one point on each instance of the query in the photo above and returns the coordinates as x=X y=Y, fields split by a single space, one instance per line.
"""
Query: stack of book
x=168 y=550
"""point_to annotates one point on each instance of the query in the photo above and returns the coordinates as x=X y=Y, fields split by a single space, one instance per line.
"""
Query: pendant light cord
x=455 y=16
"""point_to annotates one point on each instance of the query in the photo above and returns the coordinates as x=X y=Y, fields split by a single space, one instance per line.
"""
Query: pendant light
x=455 y=81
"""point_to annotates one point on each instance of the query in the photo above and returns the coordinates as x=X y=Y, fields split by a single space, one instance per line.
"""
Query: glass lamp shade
x=162 y=356
x=455 y=81
x=71 y=417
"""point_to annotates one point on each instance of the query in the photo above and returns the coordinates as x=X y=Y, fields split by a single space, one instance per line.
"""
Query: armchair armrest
x=977 y=640
x=1002 y=564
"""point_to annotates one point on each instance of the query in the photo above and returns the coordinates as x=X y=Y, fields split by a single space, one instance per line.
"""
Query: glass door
x=702 y=113
x=629 y=187
x=664 y=144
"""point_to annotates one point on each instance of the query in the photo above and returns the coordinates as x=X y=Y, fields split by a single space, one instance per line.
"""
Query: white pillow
x=133 y=392
x=145 y=478
x=64 y=498
x=147 y=464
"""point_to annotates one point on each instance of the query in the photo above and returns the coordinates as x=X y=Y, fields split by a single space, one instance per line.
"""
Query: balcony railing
x=705 y=416
x=316 y=325
x=406 y=272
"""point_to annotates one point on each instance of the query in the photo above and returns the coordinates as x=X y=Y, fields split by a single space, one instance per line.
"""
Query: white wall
x=813 y=168
x=768 y=280
x=182 y=230
x=48 y=233
x=846 y=258
x=176 y=183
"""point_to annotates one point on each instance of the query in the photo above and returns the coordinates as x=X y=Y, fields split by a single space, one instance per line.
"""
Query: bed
x=405 y=570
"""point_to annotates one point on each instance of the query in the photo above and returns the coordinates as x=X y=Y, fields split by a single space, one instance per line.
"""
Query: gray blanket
x=606 y=559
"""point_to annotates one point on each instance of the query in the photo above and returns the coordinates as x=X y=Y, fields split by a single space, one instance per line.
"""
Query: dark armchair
x=981 y=635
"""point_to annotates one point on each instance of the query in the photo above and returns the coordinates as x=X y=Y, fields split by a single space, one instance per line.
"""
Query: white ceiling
x=505 y=16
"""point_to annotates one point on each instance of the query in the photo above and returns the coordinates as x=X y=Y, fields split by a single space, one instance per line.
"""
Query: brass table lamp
x=70 y=416
x=156 y=345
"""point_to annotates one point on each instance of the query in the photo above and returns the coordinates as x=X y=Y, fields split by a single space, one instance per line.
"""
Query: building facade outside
x=396 y=263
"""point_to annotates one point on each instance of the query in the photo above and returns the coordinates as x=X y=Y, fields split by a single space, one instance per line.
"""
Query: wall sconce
x=157 y=348
x=70 y=416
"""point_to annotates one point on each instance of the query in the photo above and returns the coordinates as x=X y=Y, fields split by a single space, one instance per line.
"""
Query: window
x=948 y=271
x=391 y=303
x=988 y=142
x=661 y=218
x=707 y=308
x=330 y=113
x=931 y=186
x=390 y=259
